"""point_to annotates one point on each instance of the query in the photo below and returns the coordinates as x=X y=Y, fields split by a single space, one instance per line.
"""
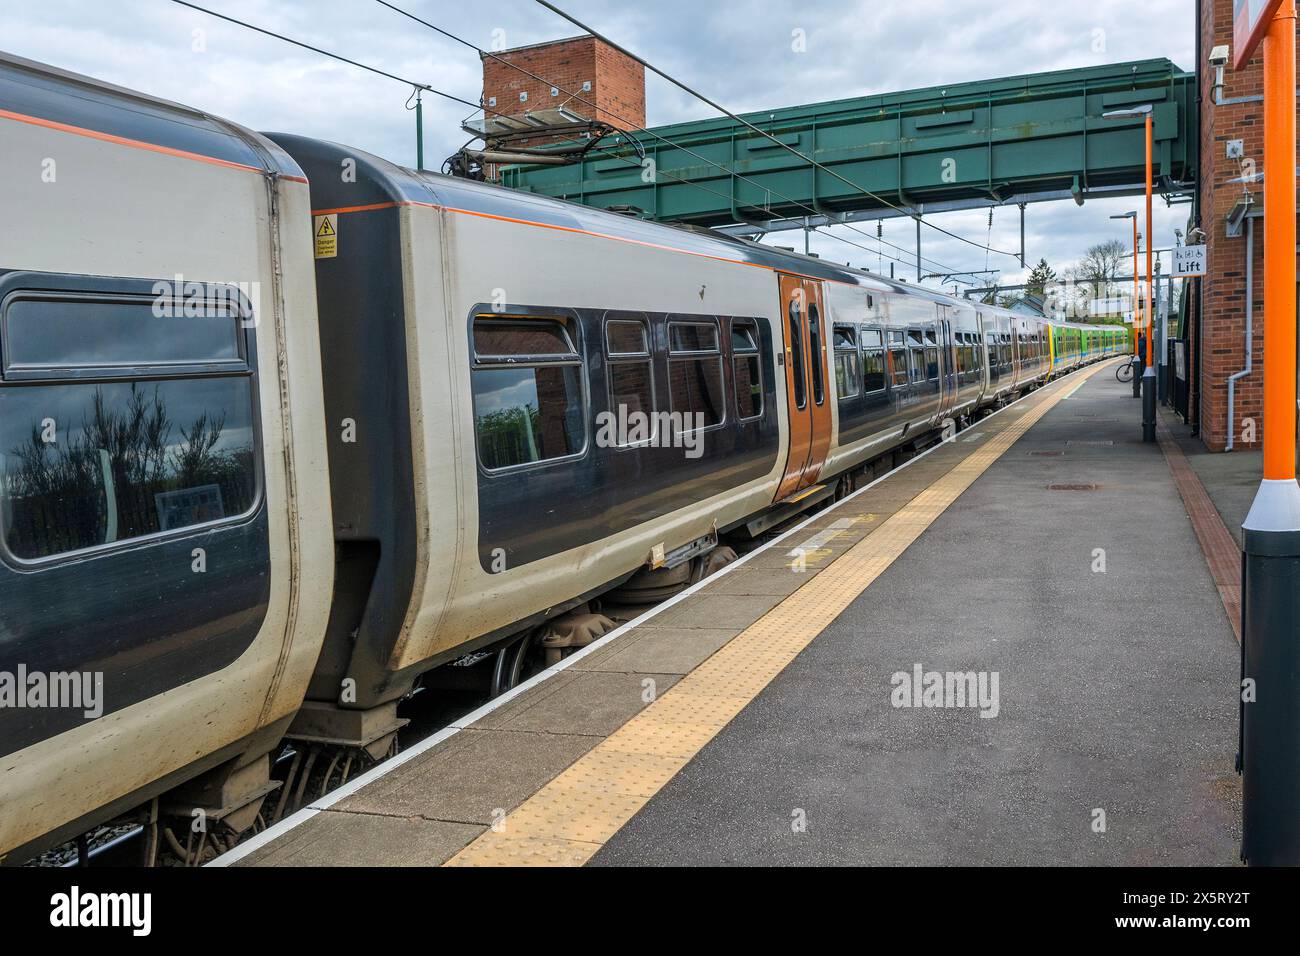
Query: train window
x=168 y=443
x=917 y=346
x=527 y=383
x=501 y=340
x=815 y=347
x=846 y=362
x=46 y=332
x=796 y=355
x=873 y=361
x=692 y=337
x=898 y=359
x=746 y=370
x=626 y=337
x=630 y=375
x=931 y=357
x=91 y=464
x=695 y=372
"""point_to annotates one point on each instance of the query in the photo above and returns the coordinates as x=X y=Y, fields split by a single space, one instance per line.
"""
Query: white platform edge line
x=455 y=727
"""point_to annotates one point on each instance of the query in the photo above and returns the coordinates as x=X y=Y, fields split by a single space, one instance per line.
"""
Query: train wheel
x=511 y=663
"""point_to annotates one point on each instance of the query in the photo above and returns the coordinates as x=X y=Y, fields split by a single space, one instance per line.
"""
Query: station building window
x=527 y=383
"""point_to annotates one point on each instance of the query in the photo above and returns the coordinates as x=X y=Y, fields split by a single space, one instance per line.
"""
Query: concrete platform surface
x=785 y=712
x=1116 y=688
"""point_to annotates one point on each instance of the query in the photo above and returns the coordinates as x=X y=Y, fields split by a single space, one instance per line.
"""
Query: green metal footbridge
x=1013 y=140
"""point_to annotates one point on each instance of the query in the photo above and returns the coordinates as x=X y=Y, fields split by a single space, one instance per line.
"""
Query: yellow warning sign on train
x=326 y=230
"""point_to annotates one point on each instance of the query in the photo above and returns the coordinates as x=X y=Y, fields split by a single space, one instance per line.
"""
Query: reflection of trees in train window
x=527 y=414
x=125 y=460
x=527 y=387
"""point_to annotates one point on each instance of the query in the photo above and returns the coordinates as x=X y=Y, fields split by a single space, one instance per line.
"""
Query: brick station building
x=1235 y=123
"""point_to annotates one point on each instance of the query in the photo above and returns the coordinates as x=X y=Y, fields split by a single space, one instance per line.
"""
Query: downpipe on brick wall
x=1250 y=317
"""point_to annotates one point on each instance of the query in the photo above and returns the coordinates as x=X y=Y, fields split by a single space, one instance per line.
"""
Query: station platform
x=1076 y=581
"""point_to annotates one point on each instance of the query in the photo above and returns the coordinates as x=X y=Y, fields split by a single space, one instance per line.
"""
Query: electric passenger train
x=284 y=427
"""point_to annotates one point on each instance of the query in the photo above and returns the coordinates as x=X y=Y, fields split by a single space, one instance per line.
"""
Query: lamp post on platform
x=1137 y=379
x=1149 y=374
x=1270 y=645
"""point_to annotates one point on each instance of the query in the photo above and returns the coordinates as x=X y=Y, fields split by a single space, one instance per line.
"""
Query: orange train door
x=807 y=384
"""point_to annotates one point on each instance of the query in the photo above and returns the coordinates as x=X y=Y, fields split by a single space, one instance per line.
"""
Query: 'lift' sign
x=1189 y=261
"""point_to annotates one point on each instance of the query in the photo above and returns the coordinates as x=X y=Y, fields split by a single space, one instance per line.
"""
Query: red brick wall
x=1224 y=293
x=617 y=81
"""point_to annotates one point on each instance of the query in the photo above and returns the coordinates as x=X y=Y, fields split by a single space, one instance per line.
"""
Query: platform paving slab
x=358 y=839
x=658 y=650
x=592 y=703
x=475 y=777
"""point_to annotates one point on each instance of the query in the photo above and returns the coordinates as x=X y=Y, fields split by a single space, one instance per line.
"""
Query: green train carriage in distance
x=1074 y=343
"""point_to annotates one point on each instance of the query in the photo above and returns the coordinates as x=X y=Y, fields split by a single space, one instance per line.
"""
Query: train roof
x=44 y=95
x=381 y=181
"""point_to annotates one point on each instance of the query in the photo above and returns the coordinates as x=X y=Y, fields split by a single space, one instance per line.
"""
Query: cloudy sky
x=738 y=52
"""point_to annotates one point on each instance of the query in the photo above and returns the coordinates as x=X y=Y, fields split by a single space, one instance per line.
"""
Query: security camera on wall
x=1219 y=55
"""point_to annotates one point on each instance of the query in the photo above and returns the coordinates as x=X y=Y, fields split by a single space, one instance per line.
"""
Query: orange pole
x=1135 y=284
x=1151 y=346
x=1279 y=246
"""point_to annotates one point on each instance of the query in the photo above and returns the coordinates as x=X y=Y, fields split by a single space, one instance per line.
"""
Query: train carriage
x=162 y=495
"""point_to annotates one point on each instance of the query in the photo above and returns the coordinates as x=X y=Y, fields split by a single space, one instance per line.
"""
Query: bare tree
x=1100 y=265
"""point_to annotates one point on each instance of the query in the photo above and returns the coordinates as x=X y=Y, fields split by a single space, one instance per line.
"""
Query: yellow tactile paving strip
x=573 y=816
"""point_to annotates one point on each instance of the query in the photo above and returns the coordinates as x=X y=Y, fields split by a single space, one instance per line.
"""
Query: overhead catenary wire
x=764 y=133
x=641 y=129
x=334 y=56
x=416 y=85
